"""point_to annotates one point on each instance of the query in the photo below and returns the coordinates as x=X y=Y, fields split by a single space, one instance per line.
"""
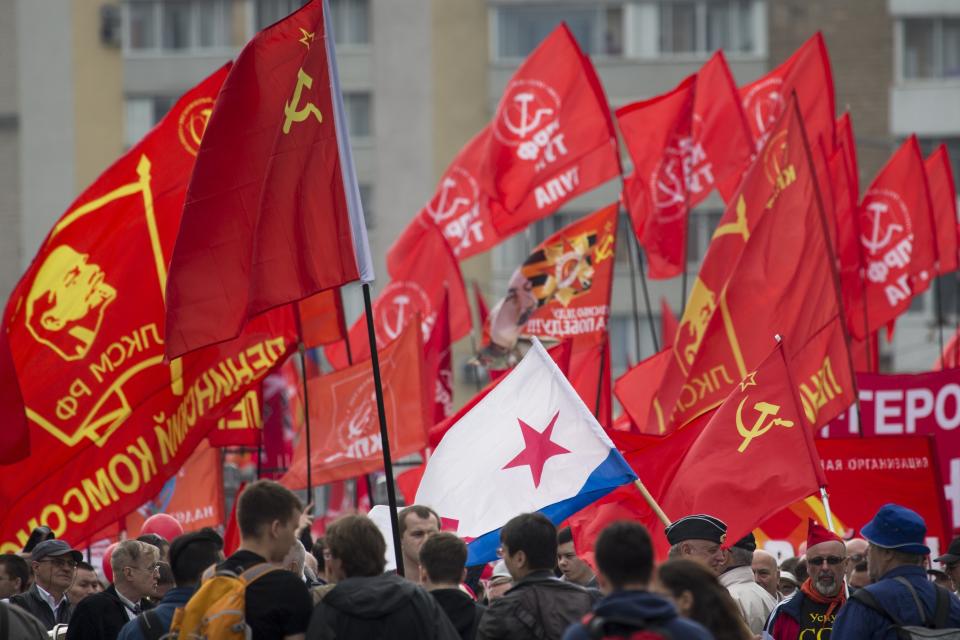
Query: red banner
x=912 y=404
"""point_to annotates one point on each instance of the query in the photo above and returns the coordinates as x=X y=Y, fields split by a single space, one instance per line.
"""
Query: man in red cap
x=810 y=612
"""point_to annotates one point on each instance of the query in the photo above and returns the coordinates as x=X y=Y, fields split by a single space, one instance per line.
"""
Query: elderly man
x=813 y=608
x=698 y=537
x=754 y=601
x=951 y=563
x=900 y=594
x=766 y=573
x=54 y=568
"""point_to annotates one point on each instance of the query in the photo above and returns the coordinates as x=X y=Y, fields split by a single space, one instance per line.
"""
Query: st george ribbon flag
x=273 y=212
x=530 y=445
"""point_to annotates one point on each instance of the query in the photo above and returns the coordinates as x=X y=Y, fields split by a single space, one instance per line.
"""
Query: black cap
x=183 y=541
x=953 y=553
x=697 y=527
x=54 y=548
x=748 y=542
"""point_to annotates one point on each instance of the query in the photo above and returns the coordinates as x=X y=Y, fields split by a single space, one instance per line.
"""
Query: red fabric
x=110 y=419
x=409 y=481
x=482 y=310
x=637 y=388
x=943 y=194
x=897 y=239
x=231 y=534
x=344 y=423
x=552 y=136
x=589 y=374
x=817 y=534
x=668 y=324
x=15 y=434
x=438 y=367
x=242 y=426
x=321 y=318
x=265 y=222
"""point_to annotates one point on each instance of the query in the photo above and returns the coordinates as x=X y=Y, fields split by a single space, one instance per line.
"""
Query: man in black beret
x=754 y=601
x=698 y=537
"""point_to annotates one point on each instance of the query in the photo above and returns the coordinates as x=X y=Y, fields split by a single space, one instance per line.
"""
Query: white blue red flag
x=530 y=445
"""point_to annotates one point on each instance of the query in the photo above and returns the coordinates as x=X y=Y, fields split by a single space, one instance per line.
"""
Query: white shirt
x=48 y=598
x=128 y=606
x=754 y=601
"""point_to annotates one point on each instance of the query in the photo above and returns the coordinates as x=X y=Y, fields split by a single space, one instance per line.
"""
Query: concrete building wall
x=10 y=248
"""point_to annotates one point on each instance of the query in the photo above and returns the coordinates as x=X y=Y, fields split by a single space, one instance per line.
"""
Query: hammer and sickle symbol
x=290 y=110
x=759 y=428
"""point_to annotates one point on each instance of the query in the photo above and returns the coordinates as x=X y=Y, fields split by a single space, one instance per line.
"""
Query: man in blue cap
x=901 y=594
x=54 y=568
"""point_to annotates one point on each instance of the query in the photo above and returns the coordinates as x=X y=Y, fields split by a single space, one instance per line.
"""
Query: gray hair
x=129 y=552
x=739 y=557
x=676 y=551
x=296 y=556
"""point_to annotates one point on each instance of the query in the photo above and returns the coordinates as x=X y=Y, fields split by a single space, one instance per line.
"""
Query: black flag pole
x=302 y=349
x=387 y=462
x=633 y=290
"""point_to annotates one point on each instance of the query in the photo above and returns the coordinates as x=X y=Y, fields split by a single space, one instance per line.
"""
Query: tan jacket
x=754 y=601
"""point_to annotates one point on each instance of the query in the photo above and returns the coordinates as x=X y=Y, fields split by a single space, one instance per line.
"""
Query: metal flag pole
x=302 y=350
x=646 y=293
x=826 y=507
x=939 y=293
x=384 y=436
x=633 y=292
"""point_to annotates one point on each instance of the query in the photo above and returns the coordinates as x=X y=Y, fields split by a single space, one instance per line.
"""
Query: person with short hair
x=754 y=601
x=14 y=575
x=624 y=555
x=278 y=604
x=539 y=605
x=443 y=560
x=766 y=573
x=900 y=593
x=161 y=543
x=699 y=537
x=416 y=524
x=950 y=561
x=788 y=583
x=54 y=567
x=499 y=583
x=102 y=615
x=191 y=554
x=366 y=602
x=698 y=595
x=573 y=568
x=86 y=583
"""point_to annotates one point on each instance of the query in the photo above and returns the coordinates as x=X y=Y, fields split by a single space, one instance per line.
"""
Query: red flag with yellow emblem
x=273 y=211
x=110 y=418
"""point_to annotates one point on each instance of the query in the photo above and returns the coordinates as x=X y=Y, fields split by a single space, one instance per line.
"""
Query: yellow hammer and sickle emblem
x=739 y=227
x=605 y=249
x=759 y=428
x=290 y=109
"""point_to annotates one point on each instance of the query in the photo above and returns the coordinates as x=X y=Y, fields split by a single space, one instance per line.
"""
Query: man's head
x=741 y=553
x=574 y=569
x=296 y=559
x=766 y=573
x=624 y=556
x=159 y=542
x=500 y=582
x=699 y=537
x=528 y=542
x=826 y=555
x=417 y=523
x=135 y=569
x=55 y=565
x=788 y=583
x=856 y=554
x=14 y=575
x=355 y=548
x=950 y=561
x=193 y=553
x=897 y=537
x=86 y=583
x=268 y=514
x=443 y=559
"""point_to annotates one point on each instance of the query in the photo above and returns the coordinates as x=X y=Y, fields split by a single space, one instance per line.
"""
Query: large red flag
x=344 y=422
x=943 y=194
x=321 y=319
x=273 y=212
x=897 y=238
x=15 y=434
x=552 y=137
x=636 y=390
x=110 y=418
x=438 y=366
x=808 y=73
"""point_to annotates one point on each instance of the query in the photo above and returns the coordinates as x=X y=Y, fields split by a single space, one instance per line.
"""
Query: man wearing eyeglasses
x=856 y=572
x=951 y=564
x=810 y=612
x=54 y=567
x=102 y=615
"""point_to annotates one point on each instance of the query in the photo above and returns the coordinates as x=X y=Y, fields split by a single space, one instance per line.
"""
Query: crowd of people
x=282 y=584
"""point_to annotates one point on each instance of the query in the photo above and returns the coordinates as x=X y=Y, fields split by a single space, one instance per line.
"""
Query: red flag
x=344 y=423
x=636 y=390
x=590 y=375
x=15 y=434
x=562 y=290
x=808 y=73
x=668 y=323
x=242 y=426
x=272 y=214
x=482 y=310
x=552 y=136
x=321 y=319
x=943 y=194
x=438 y=367
x=897 y=239
x=231 y=534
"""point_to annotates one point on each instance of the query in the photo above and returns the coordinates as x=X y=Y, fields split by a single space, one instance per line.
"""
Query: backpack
x=609 y=628
x=935 y=628
x=217 y=609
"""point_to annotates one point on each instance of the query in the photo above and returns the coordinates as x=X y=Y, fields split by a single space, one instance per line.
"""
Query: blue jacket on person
x=856 y=621
x=644 y=606
x=162 y=613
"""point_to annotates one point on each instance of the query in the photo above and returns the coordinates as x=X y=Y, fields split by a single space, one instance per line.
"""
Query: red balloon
x=165 y=526
x=107 y=569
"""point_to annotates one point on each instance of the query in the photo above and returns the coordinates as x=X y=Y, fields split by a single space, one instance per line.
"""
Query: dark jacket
x=100 y=616
x=856 y=620
x=35 y=604
x=382 y=607
x=538 y=607
x=17 y=624
x=462 y=610
x=161 y=615
x=645 y=607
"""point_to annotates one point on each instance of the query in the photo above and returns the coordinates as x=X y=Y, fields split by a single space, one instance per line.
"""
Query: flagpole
x=646 y=292
x=940 y=315
x=302 y=350
x=826 y=506
x=603 y=361
x=384 y=436
x=638 y=483
x=633 y=293
x=343 y=326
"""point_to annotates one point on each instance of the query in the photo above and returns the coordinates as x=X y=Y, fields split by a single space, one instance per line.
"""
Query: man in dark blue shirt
x=900 y=586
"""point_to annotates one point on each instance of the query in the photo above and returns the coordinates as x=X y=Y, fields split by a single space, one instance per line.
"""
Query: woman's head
x=698 y=595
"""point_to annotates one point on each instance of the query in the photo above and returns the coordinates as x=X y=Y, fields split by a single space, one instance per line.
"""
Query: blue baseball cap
x=54 y=548
x=898 y=528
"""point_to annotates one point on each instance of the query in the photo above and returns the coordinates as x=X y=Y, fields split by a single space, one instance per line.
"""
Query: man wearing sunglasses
x=54 y=568
x=810 y=612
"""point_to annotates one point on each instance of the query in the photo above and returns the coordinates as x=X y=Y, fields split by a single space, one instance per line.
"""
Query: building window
x=351 y=21
x=142 y=113
x=357 y=105
x=177 y=25
x=703 y=26
x=931 y=48
x=266 y=12
x=598 y=30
